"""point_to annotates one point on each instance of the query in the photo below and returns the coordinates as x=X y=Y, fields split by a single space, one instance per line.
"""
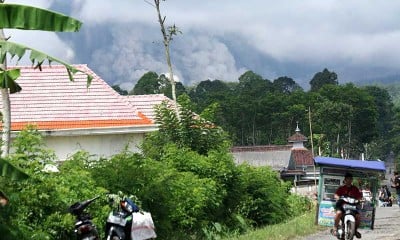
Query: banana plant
x=23 y=17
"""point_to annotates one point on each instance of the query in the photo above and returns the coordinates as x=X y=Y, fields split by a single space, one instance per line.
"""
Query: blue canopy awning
x=350 y=164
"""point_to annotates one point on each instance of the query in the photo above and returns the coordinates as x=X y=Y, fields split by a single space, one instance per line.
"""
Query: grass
x=300 y=226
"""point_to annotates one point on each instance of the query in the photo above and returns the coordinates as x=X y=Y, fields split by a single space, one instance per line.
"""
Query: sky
x=121 y=40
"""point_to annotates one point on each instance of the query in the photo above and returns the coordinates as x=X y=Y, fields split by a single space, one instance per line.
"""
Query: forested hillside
x=346 y=120
x=391 y=84
x=394 y=91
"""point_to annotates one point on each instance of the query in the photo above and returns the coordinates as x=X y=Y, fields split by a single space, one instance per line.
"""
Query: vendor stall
x=367 y=175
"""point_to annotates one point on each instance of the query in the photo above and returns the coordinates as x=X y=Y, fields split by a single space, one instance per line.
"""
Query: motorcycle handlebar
x=349 y=199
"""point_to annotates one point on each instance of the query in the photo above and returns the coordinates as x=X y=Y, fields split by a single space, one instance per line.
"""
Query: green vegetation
x=297 y=227
x=347 y=120
x=185 y=175
x=192 y=188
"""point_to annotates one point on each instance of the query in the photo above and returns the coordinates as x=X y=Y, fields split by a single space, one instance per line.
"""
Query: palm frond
x=10 y=171
x=7 y=80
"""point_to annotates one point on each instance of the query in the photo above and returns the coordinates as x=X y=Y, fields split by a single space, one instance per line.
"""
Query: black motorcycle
x=119 y=221
x=84 y=227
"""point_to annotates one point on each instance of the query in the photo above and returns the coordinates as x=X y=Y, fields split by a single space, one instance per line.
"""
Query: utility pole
x=315 y=172
x=312 y=144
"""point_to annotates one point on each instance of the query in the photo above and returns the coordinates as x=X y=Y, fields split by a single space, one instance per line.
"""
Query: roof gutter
x=95 y=131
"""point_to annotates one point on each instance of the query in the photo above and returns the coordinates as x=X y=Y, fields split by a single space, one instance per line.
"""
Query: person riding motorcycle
x=348 y=189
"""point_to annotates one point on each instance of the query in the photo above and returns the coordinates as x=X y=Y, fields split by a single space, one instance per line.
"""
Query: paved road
x=387 y=227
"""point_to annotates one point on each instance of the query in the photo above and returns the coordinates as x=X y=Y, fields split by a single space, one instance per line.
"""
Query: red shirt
x=351 y=191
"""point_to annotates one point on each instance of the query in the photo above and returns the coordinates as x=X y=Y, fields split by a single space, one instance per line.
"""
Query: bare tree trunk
x=6 y=122
x=349 y=129
x=337 y=143
x=167 y=37
x=6 y=113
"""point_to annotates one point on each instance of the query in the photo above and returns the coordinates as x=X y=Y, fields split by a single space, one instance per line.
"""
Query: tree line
x=346 y=120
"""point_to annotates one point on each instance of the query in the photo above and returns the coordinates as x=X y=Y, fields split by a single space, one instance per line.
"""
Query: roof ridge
x=147 y=95
x=46 y=66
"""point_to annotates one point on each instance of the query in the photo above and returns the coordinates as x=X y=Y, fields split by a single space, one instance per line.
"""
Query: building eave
x=95 y=131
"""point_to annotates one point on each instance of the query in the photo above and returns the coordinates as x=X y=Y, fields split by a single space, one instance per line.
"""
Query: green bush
x=38 y=206
x=176 y=199
x=191 y=193
x=264 y=199
x=298 y=204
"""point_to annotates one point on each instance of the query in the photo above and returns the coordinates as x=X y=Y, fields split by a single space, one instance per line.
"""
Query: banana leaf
x=7 y=80
x=37 y=57
x=15 y=16
x=11 y=172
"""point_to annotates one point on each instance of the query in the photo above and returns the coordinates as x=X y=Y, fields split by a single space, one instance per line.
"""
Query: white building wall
x=98 y=145
x=277 y=160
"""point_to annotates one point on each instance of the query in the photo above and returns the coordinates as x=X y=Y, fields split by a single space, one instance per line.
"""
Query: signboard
x=367 y=213
x=326 y=214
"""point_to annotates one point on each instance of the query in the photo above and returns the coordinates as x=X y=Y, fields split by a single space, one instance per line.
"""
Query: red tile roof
x=51 y=101
x=302 y=157
x=146 y=103
x=297 y=137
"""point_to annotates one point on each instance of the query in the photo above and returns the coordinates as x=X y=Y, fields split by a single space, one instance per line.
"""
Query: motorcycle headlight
x=126 y=207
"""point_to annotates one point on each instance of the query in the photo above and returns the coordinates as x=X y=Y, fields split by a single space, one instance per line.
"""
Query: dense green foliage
x=323 y=78
x=152 y=83
x=192 y=188
x=38 y=205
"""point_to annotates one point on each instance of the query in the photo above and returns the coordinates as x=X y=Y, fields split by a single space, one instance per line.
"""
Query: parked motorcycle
x=119 y=221
x=84 y=227
x=347 y=225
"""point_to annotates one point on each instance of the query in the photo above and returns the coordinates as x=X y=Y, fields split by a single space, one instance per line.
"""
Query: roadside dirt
x=387 y=227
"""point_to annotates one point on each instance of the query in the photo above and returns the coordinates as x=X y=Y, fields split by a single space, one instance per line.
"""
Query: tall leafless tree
x=167 y=34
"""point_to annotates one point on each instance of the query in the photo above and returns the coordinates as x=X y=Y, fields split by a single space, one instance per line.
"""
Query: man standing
x=395 y=181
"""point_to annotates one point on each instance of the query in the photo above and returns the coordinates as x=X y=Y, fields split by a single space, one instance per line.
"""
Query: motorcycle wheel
x=93 y=236
x=350 y=230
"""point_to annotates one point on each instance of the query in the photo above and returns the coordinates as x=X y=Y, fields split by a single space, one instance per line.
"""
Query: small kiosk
x=367 y=175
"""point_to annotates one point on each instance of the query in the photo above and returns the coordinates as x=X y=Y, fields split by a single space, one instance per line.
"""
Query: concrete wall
x=308 y=190
x=99 y=145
